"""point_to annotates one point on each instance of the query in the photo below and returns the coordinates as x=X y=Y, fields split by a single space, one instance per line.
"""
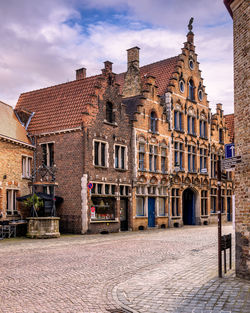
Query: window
x=178 y=120
x=213 y=197
x=203 y=129
x=100 y=151
x=109 y=112
x=161 y=206
x=191 y=125
x=203 y=202
x=221 y=136
x=191 y=64
x=11 y=201
x=153 y=120
x=182 y=86
x=191 y=159
x=213 y=165
x=140 y=206
x=48 y=154
x=141 y=156
x=26 y=166
x=203 y=160
x=191 y=90
x=178 y=154
x=222 y=200
x=163 y=160
x=175 y=202
x=152 y=158
x=120 y=156
x=104 y=208
x=200 y=95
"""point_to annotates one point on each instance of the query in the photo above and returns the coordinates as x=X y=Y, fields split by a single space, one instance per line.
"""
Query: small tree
x=34 y=201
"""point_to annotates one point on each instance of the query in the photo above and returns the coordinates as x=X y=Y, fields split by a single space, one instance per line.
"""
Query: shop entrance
x=151 y=212
x=188 y=207
x=124 y=214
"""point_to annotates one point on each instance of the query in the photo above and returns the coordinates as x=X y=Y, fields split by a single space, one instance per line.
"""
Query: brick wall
x=240 y=10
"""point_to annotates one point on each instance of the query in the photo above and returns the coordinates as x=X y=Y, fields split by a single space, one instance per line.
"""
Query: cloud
x=42 y=45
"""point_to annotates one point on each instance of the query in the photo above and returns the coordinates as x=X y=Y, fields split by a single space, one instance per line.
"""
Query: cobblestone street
x=172 y=270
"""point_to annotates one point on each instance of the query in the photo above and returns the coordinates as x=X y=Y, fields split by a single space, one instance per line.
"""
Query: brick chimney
x=132 y=83
x=81 y=73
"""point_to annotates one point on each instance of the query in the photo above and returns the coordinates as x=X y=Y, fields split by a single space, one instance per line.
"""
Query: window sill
x=103 y=221
x=205 y=138
x=160 y=216
x=100 y=166
x=27 y=177
x=141 y=216
x=192 y=172
x=204 y=216
x=175 y=217
x=179 y=130
x=205 y=174
x=121 y=169
x=192 y=100
x=110 y=124
x=153 y=132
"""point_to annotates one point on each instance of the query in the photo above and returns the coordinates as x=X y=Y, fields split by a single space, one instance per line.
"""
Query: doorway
x=188 y=207
x=151 y=212
x=124 y=214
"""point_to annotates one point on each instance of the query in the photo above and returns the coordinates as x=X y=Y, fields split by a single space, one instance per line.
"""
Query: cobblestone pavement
x=172 y=270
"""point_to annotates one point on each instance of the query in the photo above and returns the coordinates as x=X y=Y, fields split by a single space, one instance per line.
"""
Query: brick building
x=239 y=10
x=16 y=155
x=145 y=139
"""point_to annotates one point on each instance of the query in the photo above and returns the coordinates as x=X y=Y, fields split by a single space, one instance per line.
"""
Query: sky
x=44 y=42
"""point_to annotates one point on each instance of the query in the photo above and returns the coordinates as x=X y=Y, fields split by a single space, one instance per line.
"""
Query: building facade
x=134 y=150
x=239 y=10
x=16 y=159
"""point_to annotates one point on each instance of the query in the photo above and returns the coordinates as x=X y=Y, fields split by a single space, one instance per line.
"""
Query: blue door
x=151 y=212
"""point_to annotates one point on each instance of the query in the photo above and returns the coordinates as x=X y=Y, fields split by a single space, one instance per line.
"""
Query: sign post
x=219 y=218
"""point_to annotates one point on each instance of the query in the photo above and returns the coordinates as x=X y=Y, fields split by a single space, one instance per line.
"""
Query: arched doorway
x=188 y=207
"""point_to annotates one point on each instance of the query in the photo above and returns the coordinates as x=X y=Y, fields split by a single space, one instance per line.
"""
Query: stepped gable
x=58 y=107
x=229 y=118
x=161 y=70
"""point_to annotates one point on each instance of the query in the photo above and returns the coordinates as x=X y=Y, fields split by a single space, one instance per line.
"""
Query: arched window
x=153 y=120
x=191 y=89
x=109 y=112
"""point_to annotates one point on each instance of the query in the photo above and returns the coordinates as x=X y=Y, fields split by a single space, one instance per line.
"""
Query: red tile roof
x=229 y=118
x=58 y=107
x=161 y=70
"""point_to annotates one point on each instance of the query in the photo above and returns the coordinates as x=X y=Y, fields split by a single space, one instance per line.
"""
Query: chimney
x=81 y=73
x=132 y=83
x=133 y=57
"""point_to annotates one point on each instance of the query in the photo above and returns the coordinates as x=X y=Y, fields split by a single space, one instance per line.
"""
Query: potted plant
x=35 y=202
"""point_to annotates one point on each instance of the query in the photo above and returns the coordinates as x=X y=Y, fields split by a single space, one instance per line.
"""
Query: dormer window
x=109 y=112
x=153 y=120
x=191 y=90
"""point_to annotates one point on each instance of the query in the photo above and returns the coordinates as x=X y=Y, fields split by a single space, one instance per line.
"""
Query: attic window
x=200 y=95
x=182 y=86
x=109 y=112
x=191 y=64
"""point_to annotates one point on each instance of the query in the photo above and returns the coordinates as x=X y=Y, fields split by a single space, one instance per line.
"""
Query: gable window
x=178 y=154
x=203 y=202
x=203 y=129
x=182 y=86
x=175 y=201
x=11 y=202
x=191 y=64
x=191 y=158
x=100 y=153
x=141 y=156
x=153 y=120
x=152 y=158
x=109 y=112
x=191 y=90
x=200 y=94
x=203 y=160
x=48 y=153
x=163 y=160
x=191 y=125
x=26 y=166
x=178 y=120
x=221 y=136
x=213 y=165
x=120 y=156
x=213 y=198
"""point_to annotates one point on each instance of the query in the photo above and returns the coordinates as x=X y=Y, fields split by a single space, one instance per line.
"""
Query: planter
x=43 y=227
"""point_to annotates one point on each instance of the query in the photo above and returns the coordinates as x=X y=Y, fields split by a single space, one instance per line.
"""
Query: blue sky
x=44 y=42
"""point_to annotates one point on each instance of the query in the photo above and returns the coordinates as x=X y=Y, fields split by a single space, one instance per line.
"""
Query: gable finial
x=190 y=26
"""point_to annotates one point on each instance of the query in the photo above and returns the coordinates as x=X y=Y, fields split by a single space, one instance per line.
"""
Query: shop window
x=203 y=160
x=141 y=156
x=11 y=206
x=100 y=153
x=140 y=206
x=178 y=120
x=191 y=90
x=213 y=200
x=26 y=166
x=109 y=112
x=191 y=159
x=120 y=156
x=152 y=158
x=104 y=208
x=203 y=202
x=161 y=206
x=153 y=122
x=191 y=125
x=178 y=154
x=175 y=201
x=48 y=154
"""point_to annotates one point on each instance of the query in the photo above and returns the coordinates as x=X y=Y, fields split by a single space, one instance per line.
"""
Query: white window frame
x=120 y=157
x=48 y=152
x=143 y=208
x=100 y=154
x=153 y=158
x=162 y=210
x=11 y=203
x=26 y=166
